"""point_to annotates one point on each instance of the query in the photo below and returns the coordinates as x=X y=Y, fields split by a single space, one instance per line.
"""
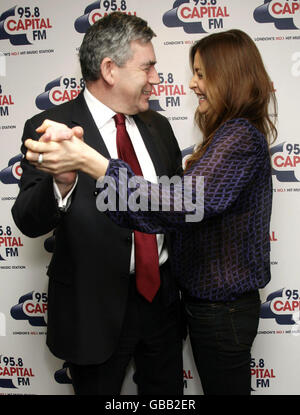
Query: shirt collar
x=100 y=112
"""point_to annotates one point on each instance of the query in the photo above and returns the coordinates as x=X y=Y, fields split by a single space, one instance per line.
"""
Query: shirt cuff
x=63 y=203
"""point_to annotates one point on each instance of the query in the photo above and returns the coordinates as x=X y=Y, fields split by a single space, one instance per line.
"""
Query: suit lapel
x=81 y=116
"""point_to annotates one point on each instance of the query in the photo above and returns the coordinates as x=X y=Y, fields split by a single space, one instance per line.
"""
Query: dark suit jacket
x=88 y=273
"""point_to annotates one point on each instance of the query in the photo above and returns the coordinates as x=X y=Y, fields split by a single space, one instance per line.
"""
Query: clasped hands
x=64 y=153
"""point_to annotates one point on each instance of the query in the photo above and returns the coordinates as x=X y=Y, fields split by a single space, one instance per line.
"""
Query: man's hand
x=58 y=156
x=53 y=131
x=64 y=153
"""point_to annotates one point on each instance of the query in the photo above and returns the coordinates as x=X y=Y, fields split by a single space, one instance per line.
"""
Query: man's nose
x=154 y=78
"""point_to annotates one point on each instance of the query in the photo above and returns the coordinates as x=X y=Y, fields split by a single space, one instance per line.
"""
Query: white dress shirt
x=103 y=117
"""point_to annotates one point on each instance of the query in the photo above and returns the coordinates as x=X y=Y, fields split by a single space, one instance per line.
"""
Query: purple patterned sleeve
x=210 y=187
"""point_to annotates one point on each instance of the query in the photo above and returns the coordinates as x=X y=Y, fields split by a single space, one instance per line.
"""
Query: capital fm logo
x=58 y=91
x=24 y=24
x=187 y=377
x=62 y=375
x=14 y=372
x=262 y=376
x=167 y=94
x=9 y=244
x=6 y=102
x=286 y=161
x=197 y=16
x=186 y=153
x=98 y=9
x=283 y=306
x=284 y=14
x=32 y=307
x=13 y=172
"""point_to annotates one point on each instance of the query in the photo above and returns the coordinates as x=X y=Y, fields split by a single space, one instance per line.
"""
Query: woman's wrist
x=93 y=163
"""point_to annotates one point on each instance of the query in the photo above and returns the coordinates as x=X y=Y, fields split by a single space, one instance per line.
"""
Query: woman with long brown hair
x=222 y=261
x=237 y=85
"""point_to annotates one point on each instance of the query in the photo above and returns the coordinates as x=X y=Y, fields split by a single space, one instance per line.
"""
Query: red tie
x=146 y=255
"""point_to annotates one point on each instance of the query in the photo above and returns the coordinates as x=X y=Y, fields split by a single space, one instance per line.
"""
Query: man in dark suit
x=97 y=318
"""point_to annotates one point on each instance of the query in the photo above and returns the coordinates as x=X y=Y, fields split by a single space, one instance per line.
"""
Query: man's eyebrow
x=149 y=63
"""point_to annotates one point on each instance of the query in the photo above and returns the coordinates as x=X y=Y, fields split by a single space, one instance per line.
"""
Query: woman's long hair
x=237 y=85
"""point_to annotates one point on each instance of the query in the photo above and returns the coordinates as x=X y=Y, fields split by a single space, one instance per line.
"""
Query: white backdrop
x=39 y=41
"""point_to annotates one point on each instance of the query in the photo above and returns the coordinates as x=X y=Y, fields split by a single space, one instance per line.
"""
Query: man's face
x=134 y=80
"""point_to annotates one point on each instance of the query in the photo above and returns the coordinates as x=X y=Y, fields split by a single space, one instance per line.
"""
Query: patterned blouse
x=226 y=252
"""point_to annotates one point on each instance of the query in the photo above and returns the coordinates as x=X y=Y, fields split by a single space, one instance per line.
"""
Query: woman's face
x=197 y=84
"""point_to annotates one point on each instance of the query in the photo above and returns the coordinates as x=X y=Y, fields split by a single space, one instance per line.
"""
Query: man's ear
x=107 y=68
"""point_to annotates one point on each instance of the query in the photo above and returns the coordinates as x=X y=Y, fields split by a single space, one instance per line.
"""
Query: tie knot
x=119 y=119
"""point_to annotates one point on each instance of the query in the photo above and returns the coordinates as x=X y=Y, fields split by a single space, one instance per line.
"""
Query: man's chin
x=144 y=107
x=141 y=108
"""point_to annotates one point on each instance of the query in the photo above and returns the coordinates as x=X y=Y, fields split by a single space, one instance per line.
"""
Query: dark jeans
x=221 y=337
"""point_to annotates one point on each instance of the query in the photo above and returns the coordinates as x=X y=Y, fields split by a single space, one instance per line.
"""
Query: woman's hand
x=63 y=152
x=55 y=131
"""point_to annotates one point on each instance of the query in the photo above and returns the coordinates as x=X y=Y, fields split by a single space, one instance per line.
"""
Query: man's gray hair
x=111 y=37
